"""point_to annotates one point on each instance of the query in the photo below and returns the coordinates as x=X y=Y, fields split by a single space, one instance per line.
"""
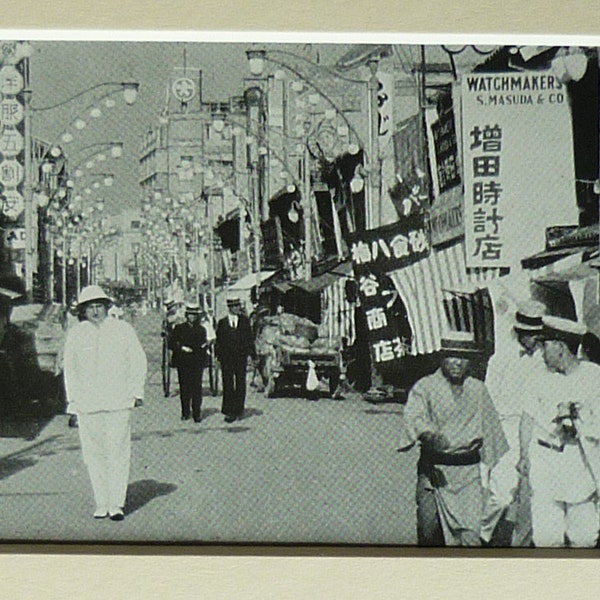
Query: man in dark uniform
x=234 y=345
x=188 y=342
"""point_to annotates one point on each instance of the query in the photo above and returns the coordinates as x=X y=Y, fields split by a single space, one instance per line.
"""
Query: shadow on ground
x=24 y=428
x=10 y=466
x=251 y=412
x=375 y=411
x=28 y=457
x=139 y=493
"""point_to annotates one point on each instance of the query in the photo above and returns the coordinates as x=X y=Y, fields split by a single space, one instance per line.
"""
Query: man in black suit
x=233 y=346
x=188 y=342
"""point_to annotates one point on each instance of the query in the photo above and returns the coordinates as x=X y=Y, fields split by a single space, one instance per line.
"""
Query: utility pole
x=306 y=193
x=30 y=224
x=63 y=270
x=256 y=221
x=374 y=200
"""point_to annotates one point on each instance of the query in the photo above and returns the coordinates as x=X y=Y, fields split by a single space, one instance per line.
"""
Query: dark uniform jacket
x=192 y=335
x=233 y=346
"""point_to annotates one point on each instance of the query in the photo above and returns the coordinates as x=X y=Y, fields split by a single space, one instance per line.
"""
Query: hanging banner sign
x=389 y=332
x=11 y=81
x=446 y=214
x=13 y=204
x=11 y=173
x=11 y=142
x=518 y=165
x=391 y=247
x=11 y=112
x=410 y=190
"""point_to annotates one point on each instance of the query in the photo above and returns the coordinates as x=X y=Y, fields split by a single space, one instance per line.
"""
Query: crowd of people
x=105 y=368
x=514 y=460
x=510 y=461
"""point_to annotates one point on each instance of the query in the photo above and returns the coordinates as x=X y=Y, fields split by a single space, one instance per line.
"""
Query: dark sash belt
x=471 y=457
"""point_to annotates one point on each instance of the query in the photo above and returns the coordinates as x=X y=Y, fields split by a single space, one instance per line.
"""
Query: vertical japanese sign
x=390 y=336
x=410 y=190
x=386 y=148
x=518 y=165
x=446 y=214
x=11 y=140
x=375 y=253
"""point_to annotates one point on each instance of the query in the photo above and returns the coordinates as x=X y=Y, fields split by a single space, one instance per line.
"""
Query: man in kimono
x=560 y=441
x=454 y=419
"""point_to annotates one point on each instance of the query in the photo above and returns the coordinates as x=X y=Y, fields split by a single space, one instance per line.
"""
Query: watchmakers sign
x=518 y=165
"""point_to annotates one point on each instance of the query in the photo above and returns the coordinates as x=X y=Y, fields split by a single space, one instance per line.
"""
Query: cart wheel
x=166 y=370
x=271 y=387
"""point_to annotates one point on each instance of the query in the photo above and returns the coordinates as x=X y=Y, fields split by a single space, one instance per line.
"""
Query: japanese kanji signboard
x=389 y=332
x=446 y=213
x=374 y=254
x=388 y=248
x=518 y=165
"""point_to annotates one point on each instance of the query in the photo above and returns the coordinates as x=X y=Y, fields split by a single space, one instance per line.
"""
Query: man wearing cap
x=188 y=343
x=507 y=374
x=560 y=441
x=233 y=346
x=105 y=369
x=453 y=418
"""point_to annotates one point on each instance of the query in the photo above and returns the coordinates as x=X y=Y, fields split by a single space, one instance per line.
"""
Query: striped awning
x=337 y=313
x=431 y=290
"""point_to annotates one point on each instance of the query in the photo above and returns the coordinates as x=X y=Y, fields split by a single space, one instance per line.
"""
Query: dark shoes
x=73 y=421
x=198 y=420
x=185 y=417
x=116 y=514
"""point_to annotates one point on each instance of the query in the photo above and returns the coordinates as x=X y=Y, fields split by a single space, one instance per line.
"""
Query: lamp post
x=374 y=168
x=30 y=225
x=130 y=91
x=57 y=201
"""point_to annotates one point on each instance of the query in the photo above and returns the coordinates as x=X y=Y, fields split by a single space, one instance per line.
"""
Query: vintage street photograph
x=300 y=292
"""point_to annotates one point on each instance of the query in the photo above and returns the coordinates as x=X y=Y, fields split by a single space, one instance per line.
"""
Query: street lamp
x=257 y=57
x=130 y=91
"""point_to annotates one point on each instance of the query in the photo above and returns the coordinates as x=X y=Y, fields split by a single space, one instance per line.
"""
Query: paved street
x=292 y=470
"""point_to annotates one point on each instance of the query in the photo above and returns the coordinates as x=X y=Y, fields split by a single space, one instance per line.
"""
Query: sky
x=61 y=69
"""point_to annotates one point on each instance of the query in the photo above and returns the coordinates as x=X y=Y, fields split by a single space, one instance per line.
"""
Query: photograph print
x=299 y=293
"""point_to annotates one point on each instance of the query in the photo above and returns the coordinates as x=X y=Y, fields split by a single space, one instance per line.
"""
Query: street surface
x=292 y=470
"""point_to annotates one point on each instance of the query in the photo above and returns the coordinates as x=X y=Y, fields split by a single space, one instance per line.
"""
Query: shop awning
x=316 y=284
x=247 y=282
x=426 y=284
x=542 y=259
x=10 y=294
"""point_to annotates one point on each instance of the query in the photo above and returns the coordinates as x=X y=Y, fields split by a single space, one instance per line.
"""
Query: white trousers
x=503 y=479
x=552 y=520
x=106 y=446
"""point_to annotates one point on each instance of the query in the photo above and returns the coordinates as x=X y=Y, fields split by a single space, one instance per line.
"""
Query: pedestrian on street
x=454 y=419
x=507 y=374
x=560 y=441
x=105 y=370
x=188 y=343
x=233 y=346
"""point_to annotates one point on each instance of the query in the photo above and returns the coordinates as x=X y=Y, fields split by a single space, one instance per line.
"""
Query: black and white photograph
x=260 y=291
